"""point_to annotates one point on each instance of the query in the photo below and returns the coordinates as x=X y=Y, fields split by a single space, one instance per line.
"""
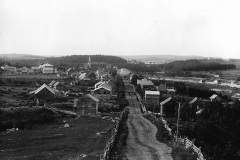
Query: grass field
x=54 y=141
x=231 y=74
x=15 y=95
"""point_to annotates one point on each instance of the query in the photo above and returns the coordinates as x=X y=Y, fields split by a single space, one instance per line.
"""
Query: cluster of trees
x=196 y=91
x=84 y=59
x=179 y=68
x=141 y=67
x=217 y=131
x=196 y=65
x=63 y=61
x=120 y=90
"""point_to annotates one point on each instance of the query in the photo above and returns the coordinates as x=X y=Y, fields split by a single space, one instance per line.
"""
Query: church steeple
x=89 y=62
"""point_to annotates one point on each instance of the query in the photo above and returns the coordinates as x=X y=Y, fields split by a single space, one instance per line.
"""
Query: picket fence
x=190 y=144
x=111 y=140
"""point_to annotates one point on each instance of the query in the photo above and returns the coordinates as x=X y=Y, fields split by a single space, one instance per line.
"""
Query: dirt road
x=141 y=142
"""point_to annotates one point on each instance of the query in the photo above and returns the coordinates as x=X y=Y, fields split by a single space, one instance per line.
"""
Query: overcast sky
x=208 y=28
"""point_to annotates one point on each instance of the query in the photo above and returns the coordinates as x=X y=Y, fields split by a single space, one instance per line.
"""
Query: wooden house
x=43 y=93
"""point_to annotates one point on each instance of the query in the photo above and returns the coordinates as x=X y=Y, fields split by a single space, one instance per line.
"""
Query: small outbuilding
x=152 y=97
x=215 y=98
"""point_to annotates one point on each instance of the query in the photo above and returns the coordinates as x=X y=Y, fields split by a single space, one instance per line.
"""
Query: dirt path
x=141 y=142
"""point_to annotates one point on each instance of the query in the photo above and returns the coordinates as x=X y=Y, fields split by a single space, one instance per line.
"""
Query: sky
x=209 y=28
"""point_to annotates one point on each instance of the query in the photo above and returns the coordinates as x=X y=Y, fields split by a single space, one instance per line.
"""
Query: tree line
x=64 y=60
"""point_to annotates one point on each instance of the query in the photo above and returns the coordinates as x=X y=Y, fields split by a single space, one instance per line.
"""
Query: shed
x=164 y=102
x=94 y=99
x=152 y=97
x=215 y=97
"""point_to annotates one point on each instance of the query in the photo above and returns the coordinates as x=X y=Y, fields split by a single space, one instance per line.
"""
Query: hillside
x=21 y=56
x=159 y=59
x=20 y=60
x=74 y=59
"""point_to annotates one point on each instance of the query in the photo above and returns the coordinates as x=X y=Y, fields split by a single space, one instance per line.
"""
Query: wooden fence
x=140 y=101
x=185 y=141
x=190 y=144
x=111 y=140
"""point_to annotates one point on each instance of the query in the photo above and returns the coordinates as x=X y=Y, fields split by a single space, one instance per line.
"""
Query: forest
x=179 y=68
x=197 y=65
x=63 y=61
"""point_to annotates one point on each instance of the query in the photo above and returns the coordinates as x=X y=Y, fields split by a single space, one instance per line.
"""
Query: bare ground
x=142 y=143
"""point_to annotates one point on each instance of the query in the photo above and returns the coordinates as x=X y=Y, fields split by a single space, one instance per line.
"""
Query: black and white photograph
x=120 y=79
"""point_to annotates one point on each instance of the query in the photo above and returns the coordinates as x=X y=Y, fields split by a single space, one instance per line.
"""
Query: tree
x=134 y=80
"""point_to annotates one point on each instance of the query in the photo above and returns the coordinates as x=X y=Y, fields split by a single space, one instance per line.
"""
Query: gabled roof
x=5 y=65
x=41 y=88
x=213 y=96
x=105 y=86
x=111 y=83
x=82 y=76
x=69 y=69
x=47 y=65
x=12 y=67
x=97 y=84
x=25 y=67
x=93 y=98
x=144 y=82
x=30 y=70
x=50 y=84
x=55 y=84
x=34 y=67
x=193 y=100
x=105 y=83
x=152 y=92
x=165 y=101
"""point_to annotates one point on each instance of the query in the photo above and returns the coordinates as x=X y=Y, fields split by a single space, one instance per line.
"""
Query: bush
x=123 y=103
x=24 y=118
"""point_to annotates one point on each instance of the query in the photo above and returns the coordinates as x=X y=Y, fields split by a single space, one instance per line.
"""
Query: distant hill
x=84 y=59
x=160 y=59
x=20 y=56
x=20 y=60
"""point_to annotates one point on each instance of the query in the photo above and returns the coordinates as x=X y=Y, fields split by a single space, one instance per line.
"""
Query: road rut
x=142 y=143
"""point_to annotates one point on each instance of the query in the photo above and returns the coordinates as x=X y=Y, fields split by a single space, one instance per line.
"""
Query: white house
x=24 y=70
x=47 y=68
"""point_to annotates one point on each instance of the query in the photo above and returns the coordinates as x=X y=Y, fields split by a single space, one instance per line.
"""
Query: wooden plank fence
x=111 y=140
x=140 y=100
